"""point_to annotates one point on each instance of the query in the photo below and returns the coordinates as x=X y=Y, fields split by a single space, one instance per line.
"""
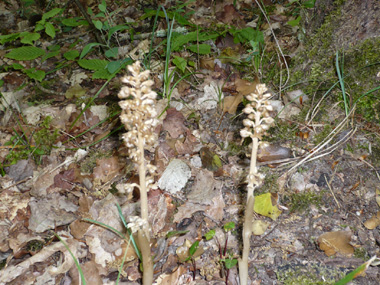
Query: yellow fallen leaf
x=266 y=205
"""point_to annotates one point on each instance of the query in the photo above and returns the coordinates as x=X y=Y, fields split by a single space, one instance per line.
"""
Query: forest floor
x=62 y=156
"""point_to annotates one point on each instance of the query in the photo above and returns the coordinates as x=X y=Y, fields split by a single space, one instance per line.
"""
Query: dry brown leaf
x=231 y=103
x=245 y=87
x=207 y=63
x=172 y=278
x=107 y=168
x=373 y=222
x=216 y=209
x=273 y=152
x=378 y=196
x=174 y=123
x=336 y=242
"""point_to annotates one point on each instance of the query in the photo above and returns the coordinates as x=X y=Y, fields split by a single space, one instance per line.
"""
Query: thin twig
x=328 y=184
x=277 y=43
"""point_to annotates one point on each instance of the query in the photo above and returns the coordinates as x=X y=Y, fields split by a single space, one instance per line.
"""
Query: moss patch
x=311 y=274
x=300 y=202
x=359 y=61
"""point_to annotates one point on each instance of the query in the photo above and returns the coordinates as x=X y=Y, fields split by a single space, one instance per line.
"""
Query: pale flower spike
x=139 y=118
x=256 y=124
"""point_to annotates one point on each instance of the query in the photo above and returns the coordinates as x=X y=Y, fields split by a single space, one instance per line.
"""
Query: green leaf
x=247 y=34
x=101 y=74
x=229 y=263
x=175 y=233
x=25 y=53
x=71 y=54
x=180 y=63
x=50 y=55
x=51 y=13
x=210 y=234
x=38 y=151
x=264 y=206
x=116 y=29
x=74 y=22
x=180 y=40
x=9 y=38
x=39 y=26
x=193 y=248
x=309 y=4
x=35 y=74
x=50 y=30
x=178 y=18
x=54 y=47
x=229 y=226
x=112 y=53
x=103 y=6
x=98 y=24
x=113 y=66
x=17 y=66
x=93 y=64
x=88 y=48
x=203 y=48
x=295 y=22
x=29 y=38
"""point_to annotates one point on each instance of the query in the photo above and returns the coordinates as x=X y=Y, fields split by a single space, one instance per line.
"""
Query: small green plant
x=130 y=240
x=361 y=253
x=40 y=143
x=192 y=250
x=225 y=258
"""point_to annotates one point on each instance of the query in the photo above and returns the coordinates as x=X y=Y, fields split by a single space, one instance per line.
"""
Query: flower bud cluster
x=136 y=223
x=258 y=120
x=139 y=116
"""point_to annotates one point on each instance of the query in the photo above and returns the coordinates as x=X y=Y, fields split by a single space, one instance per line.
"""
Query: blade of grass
x=131 y=238
x=341 y=81
x=358 y=271
x=105 y=226
x=75 y=259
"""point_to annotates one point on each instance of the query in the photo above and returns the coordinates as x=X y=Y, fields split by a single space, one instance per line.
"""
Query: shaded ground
x=59 y=170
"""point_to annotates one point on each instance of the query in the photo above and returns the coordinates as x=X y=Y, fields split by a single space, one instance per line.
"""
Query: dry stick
x=328 y=184
x=320 y=146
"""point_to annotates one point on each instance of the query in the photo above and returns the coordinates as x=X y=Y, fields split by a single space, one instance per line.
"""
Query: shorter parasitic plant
x=255 y=126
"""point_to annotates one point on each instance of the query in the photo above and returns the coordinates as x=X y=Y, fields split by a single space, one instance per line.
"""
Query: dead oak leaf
x=174 y=123
x=373 y=222
x=336 y=242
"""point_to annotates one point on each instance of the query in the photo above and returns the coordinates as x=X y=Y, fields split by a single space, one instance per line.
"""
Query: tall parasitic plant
x=139 y=118
x=255 y=126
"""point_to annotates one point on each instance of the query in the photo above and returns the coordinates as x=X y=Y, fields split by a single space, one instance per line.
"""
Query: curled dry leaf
x=333 y=242
x=373 y=222
x=273 y=152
